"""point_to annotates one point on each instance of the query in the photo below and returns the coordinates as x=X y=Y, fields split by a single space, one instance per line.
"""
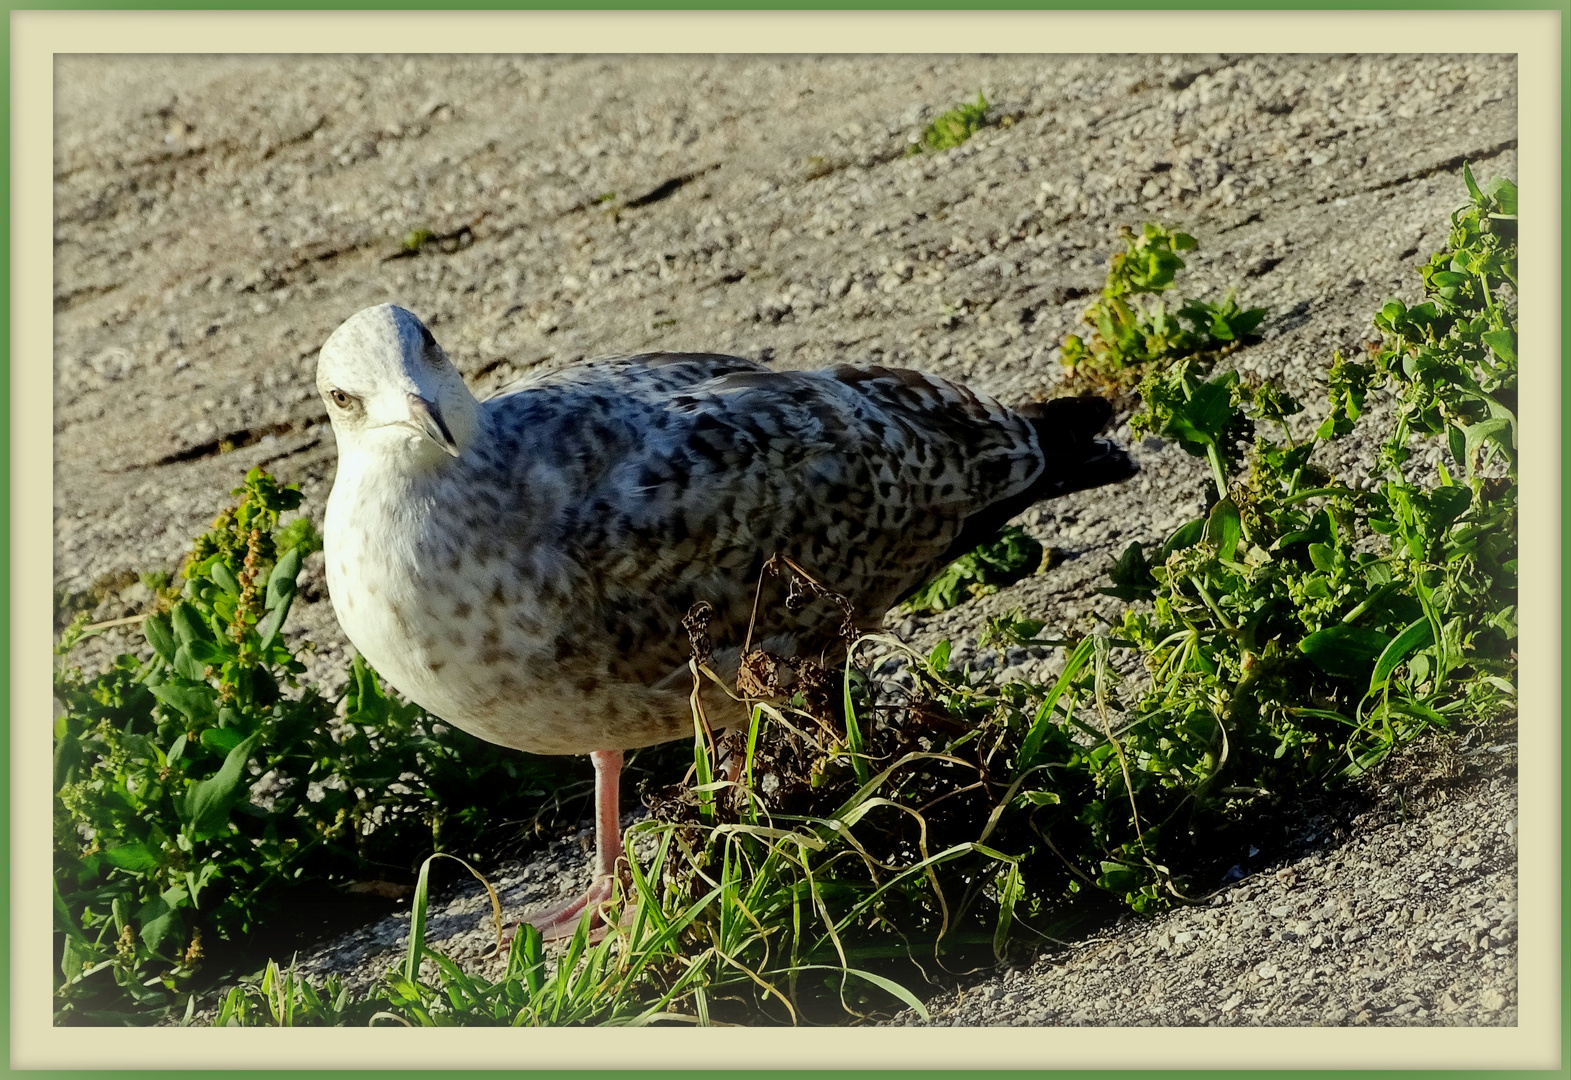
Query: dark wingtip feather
x=1067 y=421
x=1074 y=460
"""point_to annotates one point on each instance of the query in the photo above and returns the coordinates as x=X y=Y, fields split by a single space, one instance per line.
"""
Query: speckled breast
x=463 y=627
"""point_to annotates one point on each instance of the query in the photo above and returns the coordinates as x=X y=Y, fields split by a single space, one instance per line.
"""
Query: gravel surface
x=216 y=218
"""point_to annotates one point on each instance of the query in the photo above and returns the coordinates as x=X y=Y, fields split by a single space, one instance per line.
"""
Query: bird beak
x=425 y=416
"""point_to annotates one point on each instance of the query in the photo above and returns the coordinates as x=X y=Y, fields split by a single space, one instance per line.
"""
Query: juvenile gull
x=520 y=567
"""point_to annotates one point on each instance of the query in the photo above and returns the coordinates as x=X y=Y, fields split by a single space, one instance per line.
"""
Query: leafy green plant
x=196 y=789
x=1130 y=337
x=952 y=128
x=1004 y=560
x=1303 y=626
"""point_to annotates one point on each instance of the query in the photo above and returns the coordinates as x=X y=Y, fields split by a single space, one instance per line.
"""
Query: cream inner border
x=37 y=36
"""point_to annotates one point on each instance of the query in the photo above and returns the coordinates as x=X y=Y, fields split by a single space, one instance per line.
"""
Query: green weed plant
x=1130 y=336
x=1008 y=557
x=951 y=129
x=1305 y=627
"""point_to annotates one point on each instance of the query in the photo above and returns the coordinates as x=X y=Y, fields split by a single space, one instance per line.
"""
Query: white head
x=388 y=384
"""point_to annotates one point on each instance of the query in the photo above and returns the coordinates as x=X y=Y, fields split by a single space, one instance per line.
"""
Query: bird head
x=386 y=380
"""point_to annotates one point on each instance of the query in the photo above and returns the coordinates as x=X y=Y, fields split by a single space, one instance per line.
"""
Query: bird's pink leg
x=562 y=920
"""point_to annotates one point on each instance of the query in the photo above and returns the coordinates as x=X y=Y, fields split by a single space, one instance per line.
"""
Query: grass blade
x=888 y=985
x=1031 y=745
x=417 y=915
x=854 y=740
x=1418 y=634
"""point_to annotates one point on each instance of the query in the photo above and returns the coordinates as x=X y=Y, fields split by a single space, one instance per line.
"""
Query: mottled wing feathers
x=677 y=475
x=641 y=375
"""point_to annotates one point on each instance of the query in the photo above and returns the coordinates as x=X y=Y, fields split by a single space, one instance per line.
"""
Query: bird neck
x=395 y=460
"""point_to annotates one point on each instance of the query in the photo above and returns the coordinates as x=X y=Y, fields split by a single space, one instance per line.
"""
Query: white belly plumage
x=462 y=637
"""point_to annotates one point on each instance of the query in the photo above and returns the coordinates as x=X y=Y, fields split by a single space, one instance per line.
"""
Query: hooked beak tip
x=428 y=418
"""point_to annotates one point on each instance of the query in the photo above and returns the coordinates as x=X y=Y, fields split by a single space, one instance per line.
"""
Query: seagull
x=521 y=566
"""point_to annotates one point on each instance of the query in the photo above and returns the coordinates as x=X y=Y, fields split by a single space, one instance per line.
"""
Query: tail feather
x=1074 y=460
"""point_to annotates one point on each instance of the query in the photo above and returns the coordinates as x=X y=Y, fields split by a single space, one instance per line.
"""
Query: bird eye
x=340 y=398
